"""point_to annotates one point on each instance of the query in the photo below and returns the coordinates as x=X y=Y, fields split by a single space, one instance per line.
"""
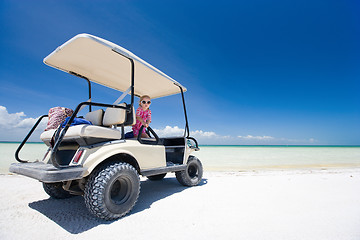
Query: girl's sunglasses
x=146 y=102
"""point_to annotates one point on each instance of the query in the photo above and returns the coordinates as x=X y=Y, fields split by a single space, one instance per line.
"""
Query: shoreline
x=232 y=158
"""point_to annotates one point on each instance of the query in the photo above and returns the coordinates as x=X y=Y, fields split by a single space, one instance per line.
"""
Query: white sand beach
x=296 y=204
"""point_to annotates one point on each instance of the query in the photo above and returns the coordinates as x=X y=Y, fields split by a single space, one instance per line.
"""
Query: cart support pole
x=132 y=72
x=186 y=119
x=26 y=138
x=89 y=84
x=132 y=81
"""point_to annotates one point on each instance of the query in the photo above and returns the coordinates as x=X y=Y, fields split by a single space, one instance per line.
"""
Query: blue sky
x=257 y=72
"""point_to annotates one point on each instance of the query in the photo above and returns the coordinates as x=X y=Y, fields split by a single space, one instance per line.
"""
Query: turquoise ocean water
x=248 y=158
x=232 y=158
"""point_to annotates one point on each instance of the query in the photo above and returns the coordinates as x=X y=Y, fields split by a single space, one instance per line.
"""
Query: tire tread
x=95 y=187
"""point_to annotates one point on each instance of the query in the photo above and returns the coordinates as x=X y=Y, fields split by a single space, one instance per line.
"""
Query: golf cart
x=97 y=161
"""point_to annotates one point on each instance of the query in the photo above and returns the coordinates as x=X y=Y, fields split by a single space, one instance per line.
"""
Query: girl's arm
x=142 y=121
x=149 y=118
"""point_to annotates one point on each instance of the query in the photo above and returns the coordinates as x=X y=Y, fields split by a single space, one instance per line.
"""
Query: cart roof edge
x=108 y=64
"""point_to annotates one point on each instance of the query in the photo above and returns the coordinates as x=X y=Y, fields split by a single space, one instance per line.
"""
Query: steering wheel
x=152 y=132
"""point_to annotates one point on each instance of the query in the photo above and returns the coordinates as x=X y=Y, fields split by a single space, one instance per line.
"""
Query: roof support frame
x=132 y=80
x=187 y=131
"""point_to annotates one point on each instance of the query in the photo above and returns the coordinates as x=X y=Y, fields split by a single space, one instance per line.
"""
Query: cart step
x=168 y=168
x=47 y=172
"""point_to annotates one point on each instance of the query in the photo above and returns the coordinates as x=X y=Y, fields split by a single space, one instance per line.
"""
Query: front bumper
x=47 y=172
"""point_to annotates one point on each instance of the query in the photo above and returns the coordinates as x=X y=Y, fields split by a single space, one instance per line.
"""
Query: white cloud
x=250 y=137
x=201 y=133
x=169 y=131
x=14 y=120
x=210 y=137
x=15 y=126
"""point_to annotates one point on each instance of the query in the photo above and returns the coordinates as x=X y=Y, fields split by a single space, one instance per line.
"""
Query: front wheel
x=112 y=191
x=192 y=175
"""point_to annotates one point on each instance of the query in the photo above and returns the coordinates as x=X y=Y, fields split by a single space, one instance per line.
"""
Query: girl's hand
x=145 y=124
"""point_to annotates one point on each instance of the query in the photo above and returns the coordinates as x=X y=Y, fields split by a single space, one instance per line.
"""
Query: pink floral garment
x=145 y=115
x=56 y=116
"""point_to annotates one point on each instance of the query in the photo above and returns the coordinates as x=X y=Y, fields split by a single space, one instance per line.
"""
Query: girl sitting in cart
x=143 y=117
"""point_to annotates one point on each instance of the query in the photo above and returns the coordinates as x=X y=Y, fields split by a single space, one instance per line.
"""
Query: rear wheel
x=112 y=191
x=55 y=190
x=192 y=175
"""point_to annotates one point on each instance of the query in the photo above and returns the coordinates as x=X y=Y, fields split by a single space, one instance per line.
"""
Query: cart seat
x=84 y=134
x=90 y=134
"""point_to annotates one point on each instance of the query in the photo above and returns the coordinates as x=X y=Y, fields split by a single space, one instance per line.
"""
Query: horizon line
x=246 y=145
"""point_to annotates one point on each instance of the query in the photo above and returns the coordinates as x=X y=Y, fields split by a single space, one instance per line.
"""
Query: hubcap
x=120 y=191
x=192 y=171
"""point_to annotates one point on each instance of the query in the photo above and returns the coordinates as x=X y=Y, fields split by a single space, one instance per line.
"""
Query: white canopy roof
x=103 y=62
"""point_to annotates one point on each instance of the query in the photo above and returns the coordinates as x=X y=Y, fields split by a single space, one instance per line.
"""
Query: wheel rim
x=193 y=171
x=120 y=190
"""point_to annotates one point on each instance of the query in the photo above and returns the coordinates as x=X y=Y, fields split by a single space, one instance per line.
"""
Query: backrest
x=95 y=117
x=114 y=116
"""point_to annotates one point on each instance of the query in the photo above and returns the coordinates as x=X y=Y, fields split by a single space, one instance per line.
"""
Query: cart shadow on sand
x=72 y=215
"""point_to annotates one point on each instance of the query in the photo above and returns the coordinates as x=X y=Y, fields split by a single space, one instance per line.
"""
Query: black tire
x=192 y=175
x=157 y=177
x=112 y=191
x=55 y=190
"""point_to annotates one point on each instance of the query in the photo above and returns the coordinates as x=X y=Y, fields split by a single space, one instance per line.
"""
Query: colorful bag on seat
x=76 y=121
x=56 y=116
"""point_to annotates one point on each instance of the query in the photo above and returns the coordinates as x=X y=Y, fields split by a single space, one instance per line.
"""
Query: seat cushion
x=84 y=134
